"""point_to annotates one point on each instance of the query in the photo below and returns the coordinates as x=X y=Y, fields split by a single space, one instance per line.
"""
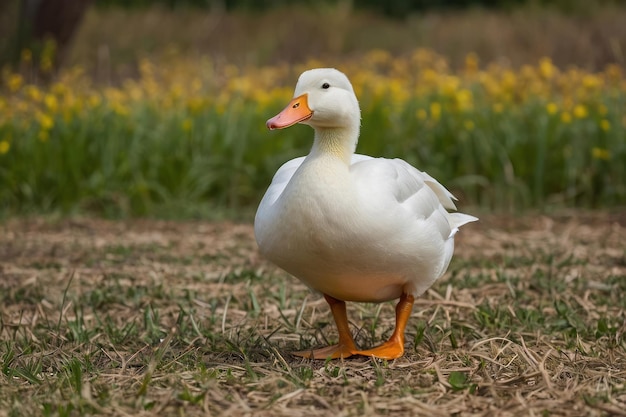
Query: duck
x=352 y=227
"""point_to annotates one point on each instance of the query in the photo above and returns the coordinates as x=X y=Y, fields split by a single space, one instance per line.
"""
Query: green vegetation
x=187 y=137
x=172 y=123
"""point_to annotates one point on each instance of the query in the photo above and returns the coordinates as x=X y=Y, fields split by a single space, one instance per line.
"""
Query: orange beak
x=296 y=111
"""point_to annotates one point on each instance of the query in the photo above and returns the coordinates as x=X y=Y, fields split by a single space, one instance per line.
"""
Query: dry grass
x=163 y=318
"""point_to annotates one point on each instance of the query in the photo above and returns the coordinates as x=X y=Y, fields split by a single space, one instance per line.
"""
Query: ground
x=151 y=317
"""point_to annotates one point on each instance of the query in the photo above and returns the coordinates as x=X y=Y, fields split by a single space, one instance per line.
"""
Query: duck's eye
x=325 y=86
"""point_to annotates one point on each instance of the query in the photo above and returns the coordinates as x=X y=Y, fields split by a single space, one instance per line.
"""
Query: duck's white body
x=353 y=227
x=365 y=232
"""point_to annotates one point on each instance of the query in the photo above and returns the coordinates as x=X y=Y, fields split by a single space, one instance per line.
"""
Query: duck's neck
x=335 y=142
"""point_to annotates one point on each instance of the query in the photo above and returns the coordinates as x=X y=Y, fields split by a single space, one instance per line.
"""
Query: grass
x=154 y=317
x=187 y=138
x=515 y=110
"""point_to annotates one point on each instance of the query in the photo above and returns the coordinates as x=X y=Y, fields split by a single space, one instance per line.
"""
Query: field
x=183 y=318
x=188 y=131
x=130 y=283
x=183 y=134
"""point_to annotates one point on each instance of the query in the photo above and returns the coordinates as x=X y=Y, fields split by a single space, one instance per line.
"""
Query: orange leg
x=394 y=347
x=346 y=347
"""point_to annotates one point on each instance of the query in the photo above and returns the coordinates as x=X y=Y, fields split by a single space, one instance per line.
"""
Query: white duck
x=353 y=227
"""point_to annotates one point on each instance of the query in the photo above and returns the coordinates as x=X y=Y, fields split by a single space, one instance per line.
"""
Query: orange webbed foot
x=391 y=349
x=346 y=347
x=394 y=347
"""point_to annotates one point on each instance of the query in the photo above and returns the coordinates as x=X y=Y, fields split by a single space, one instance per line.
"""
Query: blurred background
x=123 y=108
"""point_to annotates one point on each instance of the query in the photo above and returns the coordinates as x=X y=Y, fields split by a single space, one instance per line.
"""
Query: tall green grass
x=161 y=156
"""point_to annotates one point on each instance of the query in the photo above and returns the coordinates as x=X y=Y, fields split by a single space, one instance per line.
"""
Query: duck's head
x=323 y=98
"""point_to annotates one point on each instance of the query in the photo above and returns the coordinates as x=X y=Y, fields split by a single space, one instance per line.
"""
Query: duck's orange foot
x=329 y=352
x=391 y=349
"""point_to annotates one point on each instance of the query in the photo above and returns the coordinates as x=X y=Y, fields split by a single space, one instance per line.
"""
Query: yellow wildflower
x=14 y=82
x=220 y=108
x=261 y=96
x=464 y=99
x=45 y=121
x=566 y=117
x=4 y=146
x=509 y=80
x=195 y=104
x=471 y=62
x=552 y=108
x=397 y=92
x=421 y=114
x=94 y=100
x=135 y=92
x=591 y=82
x=33 y=93
x=59 y=89
x=605 y=125
x=580 y=111
x=468 y=125
x=546 y=68
x=600 y=153
x=120 y=109
x=176 y=91
x=450 y=85
x=43 y=135
x=51 y=102
x=187 y=125
x=430 y=76
x=497 y=108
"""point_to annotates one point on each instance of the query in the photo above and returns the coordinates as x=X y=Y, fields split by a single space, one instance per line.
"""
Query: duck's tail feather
x=459 y=219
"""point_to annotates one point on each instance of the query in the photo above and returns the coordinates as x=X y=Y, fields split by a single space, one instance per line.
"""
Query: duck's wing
x=408 y=210
x=280 y=181
x=393 y=184
x=444 y=196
